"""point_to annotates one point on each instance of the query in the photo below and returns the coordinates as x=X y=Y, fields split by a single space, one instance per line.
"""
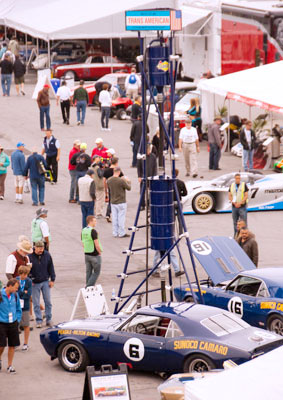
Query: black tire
x=121 y=114
x=198 y=363
x=112 y=113
x=95 y=101
x=275 y=324
x=203 y=203
x=73 y=356
x=70 y=75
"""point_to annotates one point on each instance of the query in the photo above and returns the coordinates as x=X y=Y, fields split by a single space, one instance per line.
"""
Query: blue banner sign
x=153 y=20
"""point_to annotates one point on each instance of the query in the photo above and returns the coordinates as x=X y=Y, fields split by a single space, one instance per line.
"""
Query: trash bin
x=55 y=84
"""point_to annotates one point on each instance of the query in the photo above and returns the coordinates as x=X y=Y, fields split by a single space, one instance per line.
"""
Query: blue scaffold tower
x=158 y=67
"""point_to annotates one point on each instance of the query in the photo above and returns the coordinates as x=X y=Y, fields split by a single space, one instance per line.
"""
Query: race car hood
x=221 y=257
x=103 y=322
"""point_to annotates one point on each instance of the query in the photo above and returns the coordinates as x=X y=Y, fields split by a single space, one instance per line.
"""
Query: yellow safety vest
x=238 y=195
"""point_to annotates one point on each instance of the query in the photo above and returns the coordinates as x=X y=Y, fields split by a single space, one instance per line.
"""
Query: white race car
x=265 y=193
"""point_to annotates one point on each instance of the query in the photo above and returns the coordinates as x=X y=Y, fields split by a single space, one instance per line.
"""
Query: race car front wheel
x=203 y=203
x=275 y=324
x=72 y=356
x=198 y=363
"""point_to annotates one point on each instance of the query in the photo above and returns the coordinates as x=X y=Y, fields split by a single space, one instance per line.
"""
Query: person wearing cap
x=214 y=141
x=18 y=257
x=37 y=177
x=4 y=164
x=64 y=95
x=118 y=187
x=86 y=186
x=99 y=186
x=74 y=194
x=132 y=84
x=100 y=150
x=40 y=229
x=18 y=163
x=110 y=154
x=51 y=147
x=44 y=107
x=43 y=276
x=92 y=251
x=189 y=145
x=6 y=74
x=82 y=161
x=106 y=101
x=80 y=98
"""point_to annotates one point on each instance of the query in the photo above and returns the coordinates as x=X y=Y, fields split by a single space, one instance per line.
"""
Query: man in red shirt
x=72 y=170
x=99 y=150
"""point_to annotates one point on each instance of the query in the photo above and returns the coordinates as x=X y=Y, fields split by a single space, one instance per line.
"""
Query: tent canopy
x=85 y=19
x=261 y=86
x=260 y=378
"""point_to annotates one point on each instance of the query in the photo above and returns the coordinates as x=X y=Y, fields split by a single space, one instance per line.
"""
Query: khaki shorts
x=25 y=318
x=19 y=80
x=19 y=180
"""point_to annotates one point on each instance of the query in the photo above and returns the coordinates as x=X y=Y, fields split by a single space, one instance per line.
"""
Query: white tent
x=85 y=19
x=260 y=87
x=259 y=379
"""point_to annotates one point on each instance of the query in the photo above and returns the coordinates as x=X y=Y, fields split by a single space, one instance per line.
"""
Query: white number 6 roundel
x=134 y=349
x=235 y=306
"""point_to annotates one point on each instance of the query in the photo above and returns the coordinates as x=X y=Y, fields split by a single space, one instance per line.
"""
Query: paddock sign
x=153 y=20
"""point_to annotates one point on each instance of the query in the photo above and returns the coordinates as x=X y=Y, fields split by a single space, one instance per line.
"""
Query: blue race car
x=235 y=284
x=164 y=337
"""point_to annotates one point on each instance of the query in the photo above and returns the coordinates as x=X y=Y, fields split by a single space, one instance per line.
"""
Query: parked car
x=93 y=68
x=164 y=337
x=265 y=193
x=235 y=284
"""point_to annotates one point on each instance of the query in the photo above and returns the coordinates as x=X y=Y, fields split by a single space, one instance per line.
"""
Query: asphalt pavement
x=37 y=376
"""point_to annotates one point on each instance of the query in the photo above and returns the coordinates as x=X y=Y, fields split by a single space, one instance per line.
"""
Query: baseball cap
x=99 y=140
x=77 y=142
x=19 y=144
x=111 y=151
x=41 y=211
x=46 y=86
x=40 y=243
x=83 y=146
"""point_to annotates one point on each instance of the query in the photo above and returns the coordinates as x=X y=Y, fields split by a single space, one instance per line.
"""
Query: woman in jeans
x=105 y=101
x=4 y=163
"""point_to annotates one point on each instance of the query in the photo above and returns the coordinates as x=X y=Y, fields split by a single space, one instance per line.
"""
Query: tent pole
x=229 y=125
x=37 y=46
x=250 y=113
x=111 y=54
x=48 y=60
x=5 y=31
x=26 y=49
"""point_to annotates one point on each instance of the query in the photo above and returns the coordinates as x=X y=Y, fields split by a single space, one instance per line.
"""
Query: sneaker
x=195 y=175
x=17 y=200
x=35 y=204
x=68 y=123
x=79 y=122
x=108 y=219
x=72 y=201
x=42 y=204
x=25 y=347
x=179 y=273
x=39 y=325
x=31 y=318
x=23 y=93
x=108 y=129
x=1 y=197
x=11 y=370
x=21 y=201
x=49 y=323
x=126 y=235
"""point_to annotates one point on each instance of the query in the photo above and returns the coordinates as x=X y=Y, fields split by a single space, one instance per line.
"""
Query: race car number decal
x=201 y=247
x=134 y=349
x=235 y=306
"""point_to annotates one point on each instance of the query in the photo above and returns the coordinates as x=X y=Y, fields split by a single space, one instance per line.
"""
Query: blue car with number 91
x=236 y=285
x=164 y=337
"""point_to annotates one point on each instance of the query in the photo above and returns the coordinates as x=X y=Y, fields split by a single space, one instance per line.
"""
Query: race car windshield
x=223 y=324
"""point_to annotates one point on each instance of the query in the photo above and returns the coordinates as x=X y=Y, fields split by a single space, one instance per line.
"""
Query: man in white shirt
x=189 y=144
x=106 y=101
x=248 y=141
x=132 y=84
x=64 y=95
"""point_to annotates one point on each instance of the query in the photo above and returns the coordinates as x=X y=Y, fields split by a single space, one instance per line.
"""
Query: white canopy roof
x=261 y=86
x=73 y=19
x=258 y=379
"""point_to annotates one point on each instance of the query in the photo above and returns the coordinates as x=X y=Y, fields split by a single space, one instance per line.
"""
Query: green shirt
x=80 y=94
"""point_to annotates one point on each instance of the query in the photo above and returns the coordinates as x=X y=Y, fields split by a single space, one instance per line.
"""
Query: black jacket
x=42 y=267
x=81 y=160
x=19 y=68
x=244 y=142
x=136 y=110
x=151 y=166
x=6 y=67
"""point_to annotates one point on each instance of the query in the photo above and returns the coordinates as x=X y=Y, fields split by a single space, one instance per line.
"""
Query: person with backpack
x=36 y=167
x=10 y=317
x=132 y=84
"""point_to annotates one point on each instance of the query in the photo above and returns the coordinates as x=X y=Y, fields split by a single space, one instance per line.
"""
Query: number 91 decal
x=201 y=247
x=235 y=306
x=134 y=349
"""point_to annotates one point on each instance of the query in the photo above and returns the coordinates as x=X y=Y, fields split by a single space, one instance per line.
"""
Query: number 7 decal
x=254 y=192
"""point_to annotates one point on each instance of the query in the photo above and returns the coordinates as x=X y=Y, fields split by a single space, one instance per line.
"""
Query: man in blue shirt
x=35 y=165
x=18 y=166
x=10 y=316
